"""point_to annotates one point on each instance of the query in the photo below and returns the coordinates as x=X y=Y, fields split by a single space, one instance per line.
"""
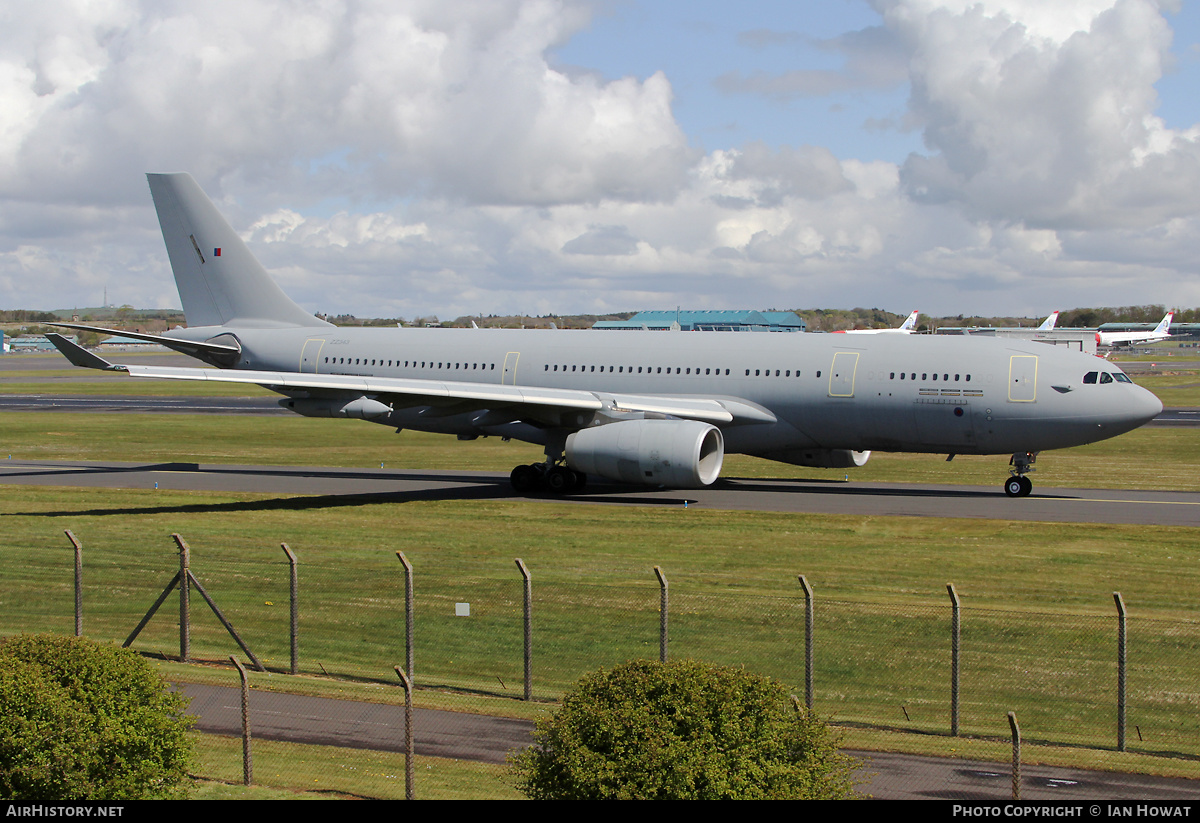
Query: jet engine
x=820 y=458
x=679 y=454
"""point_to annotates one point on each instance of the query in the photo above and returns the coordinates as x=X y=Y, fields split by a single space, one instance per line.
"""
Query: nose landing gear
x=1018 y=485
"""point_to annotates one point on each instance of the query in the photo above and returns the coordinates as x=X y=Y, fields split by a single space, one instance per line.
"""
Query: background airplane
x=1049 y=322
x=1123 y=338
x=907 y=327
x=639 y=407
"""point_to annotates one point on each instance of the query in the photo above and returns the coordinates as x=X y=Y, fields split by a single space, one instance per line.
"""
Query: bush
x=682 y=730
x=85 y=721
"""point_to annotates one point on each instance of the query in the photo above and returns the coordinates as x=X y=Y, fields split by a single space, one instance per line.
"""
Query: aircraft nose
x=1136 y=408
x=1146 y=406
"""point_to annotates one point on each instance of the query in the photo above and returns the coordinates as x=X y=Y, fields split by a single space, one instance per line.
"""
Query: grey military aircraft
x=640 y=407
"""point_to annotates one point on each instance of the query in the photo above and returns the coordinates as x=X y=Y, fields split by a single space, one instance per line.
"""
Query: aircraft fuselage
x=904 y=393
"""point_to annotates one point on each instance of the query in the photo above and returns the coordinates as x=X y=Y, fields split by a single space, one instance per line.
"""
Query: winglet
x=80 y=356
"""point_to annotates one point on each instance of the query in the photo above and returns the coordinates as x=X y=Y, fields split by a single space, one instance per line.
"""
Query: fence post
x=662 y=615
x=1016 y=755
x=185 y=574
x=528 y=629
x=409 y=779
x=78 y=582
x=808 y=642
x=955 y=636
x=408 y=614
x=247 y=758
x=1122 y=626
x=294 y=598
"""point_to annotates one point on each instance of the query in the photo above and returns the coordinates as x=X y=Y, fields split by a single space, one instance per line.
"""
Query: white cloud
x=422 y=157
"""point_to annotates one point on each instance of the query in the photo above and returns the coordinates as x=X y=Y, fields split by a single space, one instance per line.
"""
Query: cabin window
x=818 y=373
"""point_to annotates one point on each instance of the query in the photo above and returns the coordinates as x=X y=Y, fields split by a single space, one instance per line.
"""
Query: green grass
x=1039 y=622
x=290 y=771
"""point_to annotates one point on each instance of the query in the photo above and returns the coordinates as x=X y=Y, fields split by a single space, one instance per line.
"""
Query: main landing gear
x=1019 y=485
x=556 y=479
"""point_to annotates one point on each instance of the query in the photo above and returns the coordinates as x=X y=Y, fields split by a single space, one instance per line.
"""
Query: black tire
x=1014 y=487
x=524 y=479
x=1026 y=486
x=560 y=480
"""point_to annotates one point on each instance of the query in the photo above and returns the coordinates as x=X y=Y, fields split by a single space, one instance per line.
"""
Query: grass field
x=1039 y=627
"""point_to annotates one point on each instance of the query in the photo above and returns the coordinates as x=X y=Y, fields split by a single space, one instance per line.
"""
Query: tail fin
x=911 y=322
x=1164 y=324
x=219 y=281
x=1048 y=323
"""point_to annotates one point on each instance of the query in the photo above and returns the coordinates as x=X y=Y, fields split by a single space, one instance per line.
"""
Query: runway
x=329 y=485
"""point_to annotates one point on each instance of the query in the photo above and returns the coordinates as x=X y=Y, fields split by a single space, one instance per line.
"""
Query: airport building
x=32 y=343
x=1083 y=340
x=726 y=320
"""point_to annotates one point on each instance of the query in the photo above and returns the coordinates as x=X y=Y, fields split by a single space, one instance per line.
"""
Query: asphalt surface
x=316 y=720
x=334 y=486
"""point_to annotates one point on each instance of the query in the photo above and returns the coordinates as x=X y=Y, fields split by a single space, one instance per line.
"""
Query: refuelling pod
x=678 y=454
x=359 y=408
x=820 y=458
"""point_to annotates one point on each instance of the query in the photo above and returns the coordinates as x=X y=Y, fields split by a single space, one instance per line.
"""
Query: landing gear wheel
x=524 y=479
x=560 y=480
x=1018 y=486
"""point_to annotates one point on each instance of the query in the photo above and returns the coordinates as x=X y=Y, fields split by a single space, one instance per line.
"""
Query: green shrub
x=683 y=730
x=85 y=721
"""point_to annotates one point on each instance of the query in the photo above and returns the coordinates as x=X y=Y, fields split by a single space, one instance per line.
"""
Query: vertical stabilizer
x=219 y=280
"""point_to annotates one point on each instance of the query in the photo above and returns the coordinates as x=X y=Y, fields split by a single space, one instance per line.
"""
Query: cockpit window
x=1106 y=378
x=1121 y=377
x=1090 y=377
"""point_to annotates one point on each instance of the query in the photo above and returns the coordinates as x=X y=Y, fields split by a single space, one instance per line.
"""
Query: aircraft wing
x=543 y=404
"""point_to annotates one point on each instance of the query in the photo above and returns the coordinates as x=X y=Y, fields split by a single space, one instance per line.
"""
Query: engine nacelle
x=360 y=408
x=679 y=454
x=820 y=458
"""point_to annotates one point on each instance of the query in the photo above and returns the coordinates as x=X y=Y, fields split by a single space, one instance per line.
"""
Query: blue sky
x=698 y=44
x=408 y=157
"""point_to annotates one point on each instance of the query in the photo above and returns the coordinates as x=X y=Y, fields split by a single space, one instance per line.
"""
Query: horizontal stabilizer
x=217 y=351
x=80 y=356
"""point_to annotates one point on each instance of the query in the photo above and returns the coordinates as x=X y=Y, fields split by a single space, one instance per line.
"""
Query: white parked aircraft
x=1049 y=322
x=641 y=407
x=1123 y=338
x=907 y=327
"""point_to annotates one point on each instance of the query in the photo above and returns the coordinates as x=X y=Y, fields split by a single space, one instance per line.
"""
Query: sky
x=404 y=158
